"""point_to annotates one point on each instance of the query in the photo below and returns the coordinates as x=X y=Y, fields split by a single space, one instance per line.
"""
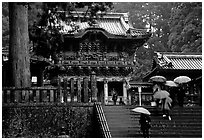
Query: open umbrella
x=161 y=94
x=141 y=110
x=171 y=84
x=182 y=79
x=157 y=78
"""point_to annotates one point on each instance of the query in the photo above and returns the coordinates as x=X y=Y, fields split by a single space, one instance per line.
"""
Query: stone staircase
x=186 y=122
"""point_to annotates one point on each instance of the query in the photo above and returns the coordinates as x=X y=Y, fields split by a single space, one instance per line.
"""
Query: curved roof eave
x=93 y=30
x=107 y=34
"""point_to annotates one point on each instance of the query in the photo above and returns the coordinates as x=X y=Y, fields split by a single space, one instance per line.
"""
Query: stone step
x=136 y=130
x=186 y=122
x=157 y=135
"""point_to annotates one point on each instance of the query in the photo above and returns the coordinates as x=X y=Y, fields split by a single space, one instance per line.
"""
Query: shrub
x=46 y=121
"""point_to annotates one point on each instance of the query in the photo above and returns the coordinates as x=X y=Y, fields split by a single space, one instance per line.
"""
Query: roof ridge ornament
x=168 y=62
x=163 y=60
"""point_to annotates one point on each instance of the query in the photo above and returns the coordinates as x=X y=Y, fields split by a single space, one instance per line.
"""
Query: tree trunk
x=19 y=55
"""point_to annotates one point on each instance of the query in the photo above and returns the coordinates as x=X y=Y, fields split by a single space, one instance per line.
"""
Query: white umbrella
x=182 y=79
x=171 y=84
x=157 y=78
x=141 y=110
x=161 y=94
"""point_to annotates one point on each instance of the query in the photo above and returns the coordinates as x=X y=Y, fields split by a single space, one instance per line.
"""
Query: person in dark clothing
x=172 y=91
x=181 y=95
x=114 y=97
x=145 y=124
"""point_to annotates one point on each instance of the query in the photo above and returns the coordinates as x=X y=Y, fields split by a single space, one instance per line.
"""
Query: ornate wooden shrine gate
x=98 y=58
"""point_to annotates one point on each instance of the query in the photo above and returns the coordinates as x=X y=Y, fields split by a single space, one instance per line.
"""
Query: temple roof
x=179 y=61
x=173 y=64
x=116 y=24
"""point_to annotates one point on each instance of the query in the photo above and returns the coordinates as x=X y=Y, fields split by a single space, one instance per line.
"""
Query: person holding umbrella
x=181 y=80
x=145 y=124
x=156 y=88
x=167 y=107
x=181 y=95
x=157 y=81
x=172 y=89
x=144 y=120
x=160 y=96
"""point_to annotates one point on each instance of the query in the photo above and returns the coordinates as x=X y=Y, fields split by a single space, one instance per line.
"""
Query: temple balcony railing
x=92 y=55
x=98 y=63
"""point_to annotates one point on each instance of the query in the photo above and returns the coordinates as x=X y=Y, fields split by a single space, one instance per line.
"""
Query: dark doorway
x=117 y=86
x=100 y=94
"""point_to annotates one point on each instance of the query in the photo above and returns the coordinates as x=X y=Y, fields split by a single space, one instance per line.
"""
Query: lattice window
x=92 y=46
x=91 y=50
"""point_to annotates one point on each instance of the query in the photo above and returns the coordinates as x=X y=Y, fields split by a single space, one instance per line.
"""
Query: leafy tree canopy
x=186 y=27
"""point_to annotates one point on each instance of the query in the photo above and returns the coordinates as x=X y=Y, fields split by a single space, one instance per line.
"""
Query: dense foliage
x=176 y=27
x=46 y=122
x=186 y=27
x=5 y=26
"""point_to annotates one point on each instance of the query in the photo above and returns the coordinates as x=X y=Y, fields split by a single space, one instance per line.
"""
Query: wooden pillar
x=61 y=94
x=51 y=95
x=31 y=95
x=140 y=96
x=78 y=90
x=86 y=90
x=105 y=91
x=93 y=87
x=43 y=95
x=65 y=89
x=58 y=90
x=23 y=95
x=72 y=89
x=124 y=92
x=129 y=98
x=27 y=94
